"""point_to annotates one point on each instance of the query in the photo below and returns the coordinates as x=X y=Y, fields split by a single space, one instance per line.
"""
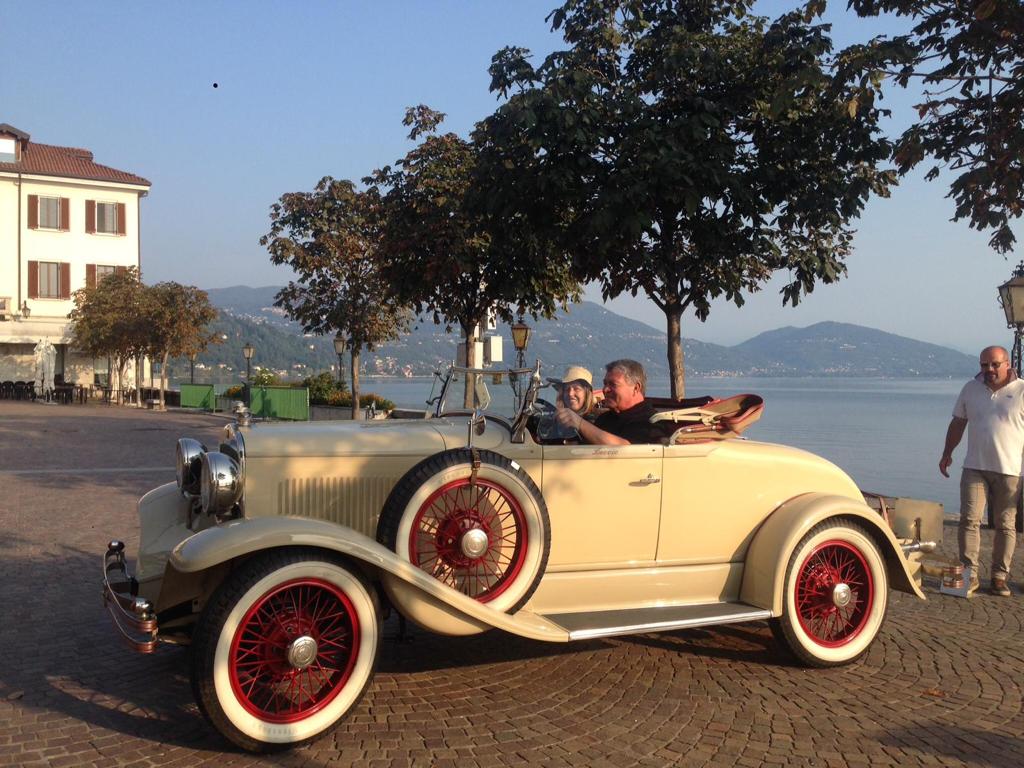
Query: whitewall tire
x=285 y=649
x=484 y=533
x=836 y=595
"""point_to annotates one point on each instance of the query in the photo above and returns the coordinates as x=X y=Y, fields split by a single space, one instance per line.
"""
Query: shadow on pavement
x=971 y=745
x=746 y=643
x=422 y=651
x=63 y=656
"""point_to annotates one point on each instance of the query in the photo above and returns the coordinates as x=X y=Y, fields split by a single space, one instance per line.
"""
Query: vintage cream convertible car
x=276 y=555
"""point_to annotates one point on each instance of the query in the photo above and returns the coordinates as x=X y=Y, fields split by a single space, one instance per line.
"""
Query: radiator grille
x=349 y=501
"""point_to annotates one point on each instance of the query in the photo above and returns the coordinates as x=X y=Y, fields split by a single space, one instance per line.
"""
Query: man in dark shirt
x=628 y=418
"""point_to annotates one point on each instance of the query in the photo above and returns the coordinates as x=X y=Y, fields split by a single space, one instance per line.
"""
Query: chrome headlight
x=220 y=484
x=186 y=465
x=234 y=445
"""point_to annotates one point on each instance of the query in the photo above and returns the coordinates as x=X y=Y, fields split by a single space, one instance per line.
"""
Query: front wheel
x=836 y=594
x=284 y=649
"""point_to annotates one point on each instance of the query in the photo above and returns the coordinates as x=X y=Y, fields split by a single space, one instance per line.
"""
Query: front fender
x=451 y=611
x=163 y=523
x=768 y=557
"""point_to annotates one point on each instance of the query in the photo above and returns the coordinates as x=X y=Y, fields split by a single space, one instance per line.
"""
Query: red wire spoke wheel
x=285 y=648
x=294 y=650
x=476 y=522
x=834 y=592
x=835 y=595
x=471 y=536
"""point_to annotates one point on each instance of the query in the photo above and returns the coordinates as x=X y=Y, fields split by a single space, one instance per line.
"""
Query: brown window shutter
x=90 y=274
x=33 y=279
x=120 y=270
x=65 y=279
x=33 y=211
x=90 y=216
x=65 y=214
x=120 y=219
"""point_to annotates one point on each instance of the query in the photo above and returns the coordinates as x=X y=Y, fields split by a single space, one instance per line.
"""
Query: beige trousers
x=1001 y=493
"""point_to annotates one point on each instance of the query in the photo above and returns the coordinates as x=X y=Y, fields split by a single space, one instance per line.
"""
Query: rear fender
x=768 y=556
x=440 y=608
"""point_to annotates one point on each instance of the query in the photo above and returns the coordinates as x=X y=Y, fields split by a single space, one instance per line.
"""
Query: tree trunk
x=163 y=380
x=469 y=399
x=676 y=366
x=357 y=412
x=120 y=364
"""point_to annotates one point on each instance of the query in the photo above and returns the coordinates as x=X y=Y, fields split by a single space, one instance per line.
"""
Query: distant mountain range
x=589 y=335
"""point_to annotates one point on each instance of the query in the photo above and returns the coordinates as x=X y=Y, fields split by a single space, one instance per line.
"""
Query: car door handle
x=650 y=480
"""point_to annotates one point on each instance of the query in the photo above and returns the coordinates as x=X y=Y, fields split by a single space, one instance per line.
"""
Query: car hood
x=342 y=438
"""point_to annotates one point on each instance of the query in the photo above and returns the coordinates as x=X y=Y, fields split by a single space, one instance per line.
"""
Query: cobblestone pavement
x=942 y=686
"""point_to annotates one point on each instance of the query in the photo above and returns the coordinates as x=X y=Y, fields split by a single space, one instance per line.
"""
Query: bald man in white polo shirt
x=991 y=409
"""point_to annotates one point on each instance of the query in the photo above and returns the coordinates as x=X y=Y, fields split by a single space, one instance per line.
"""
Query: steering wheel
x=542 y=407
x=548 y=428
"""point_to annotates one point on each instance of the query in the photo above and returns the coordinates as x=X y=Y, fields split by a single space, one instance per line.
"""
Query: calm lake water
x=887 y=434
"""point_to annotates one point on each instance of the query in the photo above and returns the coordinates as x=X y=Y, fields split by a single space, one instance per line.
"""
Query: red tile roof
x=71 y=162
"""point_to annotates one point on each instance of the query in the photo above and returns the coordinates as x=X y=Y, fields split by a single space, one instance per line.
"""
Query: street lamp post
x=520 y=339
x=191 y=367
x=1011 y=297
x=247 y=352
x=339 y=350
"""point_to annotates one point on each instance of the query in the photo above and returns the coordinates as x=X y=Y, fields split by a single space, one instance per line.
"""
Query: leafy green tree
x=110 y=320
x=446 y=254
x=970 y=58
x=685 y=150
x=178 y=322
x=331 y=237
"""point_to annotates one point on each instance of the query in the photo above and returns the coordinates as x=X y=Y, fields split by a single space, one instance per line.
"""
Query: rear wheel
x=284 y=649
x=836 y=594
x=483 y=531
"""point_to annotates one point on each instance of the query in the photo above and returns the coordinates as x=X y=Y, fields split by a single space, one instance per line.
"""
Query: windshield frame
x=525 y=392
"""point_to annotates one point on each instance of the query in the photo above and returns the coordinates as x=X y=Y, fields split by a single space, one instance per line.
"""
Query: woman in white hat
x=576 y=390
x=575 y=393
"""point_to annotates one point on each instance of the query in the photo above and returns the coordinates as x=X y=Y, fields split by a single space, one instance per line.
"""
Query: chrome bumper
x=131 y=614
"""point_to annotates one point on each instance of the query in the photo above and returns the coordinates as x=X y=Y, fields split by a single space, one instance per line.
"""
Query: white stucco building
x=65 y=222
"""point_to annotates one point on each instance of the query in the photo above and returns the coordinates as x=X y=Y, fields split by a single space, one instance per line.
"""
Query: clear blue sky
x=319 y=88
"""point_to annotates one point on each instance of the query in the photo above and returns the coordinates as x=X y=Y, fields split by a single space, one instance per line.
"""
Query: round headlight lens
x=220 y=484
x=186 y=464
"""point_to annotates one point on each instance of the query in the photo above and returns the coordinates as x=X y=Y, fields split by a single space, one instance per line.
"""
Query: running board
x=636 y=621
